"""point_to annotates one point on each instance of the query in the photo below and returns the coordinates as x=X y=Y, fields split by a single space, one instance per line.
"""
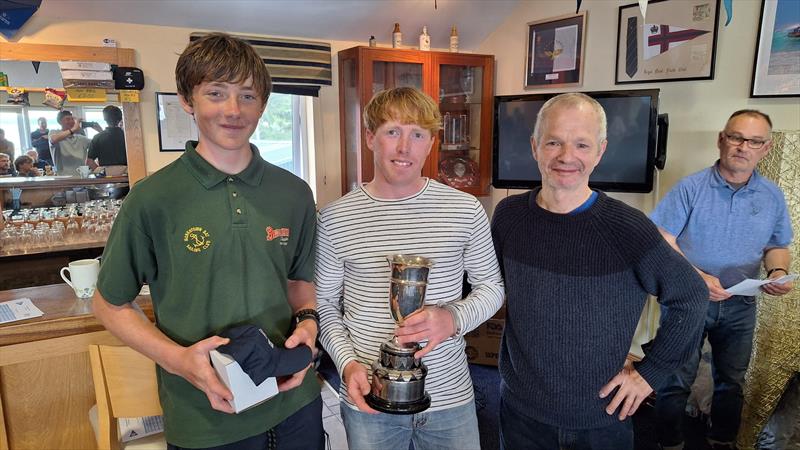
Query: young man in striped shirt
x=400 y=211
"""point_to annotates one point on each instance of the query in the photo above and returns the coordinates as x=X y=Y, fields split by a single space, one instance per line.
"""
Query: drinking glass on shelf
x=467 y=85
x=55 y=236
x=72 y=228
x=33 y=217
x=37 y=239
x=7 y=238
x=48 y=216
x=25 y=239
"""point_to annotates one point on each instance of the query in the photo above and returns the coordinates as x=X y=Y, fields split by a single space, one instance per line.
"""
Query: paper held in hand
x=751 y=287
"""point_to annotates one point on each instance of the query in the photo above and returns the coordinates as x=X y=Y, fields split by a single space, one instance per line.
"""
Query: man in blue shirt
x=727 y=220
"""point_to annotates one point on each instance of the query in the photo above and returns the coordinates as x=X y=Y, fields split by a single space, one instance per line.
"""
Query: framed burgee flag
x=675 y=42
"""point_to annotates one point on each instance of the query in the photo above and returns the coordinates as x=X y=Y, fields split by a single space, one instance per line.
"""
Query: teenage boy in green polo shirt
x=223 y=238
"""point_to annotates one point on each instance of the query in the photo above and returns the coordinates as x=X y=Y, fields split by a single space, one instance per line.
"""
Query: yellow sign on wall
x=129 y=96
x=86 y=95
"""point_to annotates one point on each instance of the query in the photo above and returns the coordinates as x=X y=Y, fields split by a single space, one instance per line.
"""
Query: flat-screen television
x=626 y=166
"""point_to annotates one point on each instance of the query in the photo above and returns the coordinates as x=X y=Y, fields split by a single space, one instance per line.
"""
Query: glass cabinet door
x=460 y=83
x=351 y=124
x=388 y=75
x=460 y=149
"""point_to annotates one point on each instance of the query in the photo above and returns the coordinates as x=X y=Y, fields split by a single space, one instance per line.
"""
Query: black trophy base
x=388 y=407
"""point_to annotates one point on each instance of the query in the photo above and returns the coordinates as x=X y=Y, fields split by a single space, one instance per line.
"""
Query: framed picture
x=175 y=126
x=776 y=70
x=554 y=52
x=676 y=42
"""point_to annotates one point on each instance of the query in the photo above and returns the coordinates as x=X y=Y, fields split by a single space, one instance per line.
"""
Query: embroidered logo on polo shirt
x=278 y=233
x=197 y=239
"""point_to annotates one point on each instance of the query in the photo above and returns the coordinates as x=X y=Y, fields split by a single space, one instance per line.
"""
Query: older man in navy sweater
x=578 y=267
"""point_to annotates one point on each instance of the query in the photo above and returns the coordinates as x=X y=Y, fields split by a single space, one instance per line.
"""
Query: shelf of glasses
x=52 y=249
x=56 y=182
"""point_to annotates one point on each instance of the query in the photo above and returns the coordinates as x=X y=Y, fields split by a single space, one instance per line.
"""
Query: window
x=11 y=122
x=33 y=120
x=284 y=134
x=19 y=122
x=93 y=114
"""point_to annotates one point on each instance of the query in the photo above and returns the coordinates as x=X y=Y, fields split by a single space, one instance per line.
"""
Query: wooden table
x=46 y=386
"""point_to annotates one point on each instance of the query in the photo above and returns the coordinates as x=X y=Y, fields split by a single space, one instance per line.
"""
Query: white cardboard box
x=245 y=393
x=86 y=75
x=84 y=65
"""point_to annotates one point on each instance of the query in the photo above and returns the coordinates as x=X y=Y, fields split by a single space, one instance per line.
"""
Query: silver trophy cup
x=398 y=379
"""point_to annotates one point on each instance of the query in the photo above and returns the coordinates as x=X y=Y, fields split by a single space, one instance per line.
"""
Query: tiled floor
x=331 y=419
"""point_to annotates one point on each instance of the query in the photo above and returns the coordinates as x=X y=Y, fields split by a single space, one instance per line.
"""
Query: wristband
x=769 y=272
x=304 y=314
x=71 y=132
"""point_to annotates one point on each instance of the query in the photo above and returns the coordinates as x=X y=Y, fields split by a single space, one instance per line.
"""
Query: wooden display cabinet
x=461 y=83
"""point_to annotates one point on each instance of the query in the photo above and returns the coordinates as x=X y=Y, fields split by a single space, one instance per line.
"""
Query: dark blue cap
x=259 y=358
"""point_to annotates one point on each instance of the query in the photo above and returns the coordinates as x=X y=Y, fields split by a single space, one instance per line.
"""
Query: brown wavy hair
x=221 y=57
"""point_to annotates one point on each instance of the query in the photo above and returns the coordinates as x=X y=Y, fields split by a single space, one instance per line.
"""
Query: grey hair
x=571 y=99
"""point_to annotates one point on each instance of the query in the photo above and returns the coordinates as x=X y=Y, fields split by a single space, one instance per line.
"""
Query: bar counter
x=46 y=386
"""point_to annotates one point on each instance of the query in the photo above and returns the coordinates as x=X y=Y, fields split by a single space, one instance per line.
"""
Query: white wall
x=697 y=109
x=157 y=50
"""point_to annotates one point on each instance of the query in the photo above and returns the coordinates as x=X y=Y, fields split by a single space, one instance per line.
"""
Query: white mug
x=82 y=276
x=84 y=171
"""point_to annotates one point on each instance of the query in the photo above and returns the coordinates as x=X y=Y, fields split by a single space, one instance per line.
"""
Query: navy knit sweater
x=576 y=286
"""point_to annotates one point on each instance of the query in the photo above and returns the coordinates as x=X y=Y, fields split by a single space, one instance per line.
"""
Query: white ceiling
x=346 y=20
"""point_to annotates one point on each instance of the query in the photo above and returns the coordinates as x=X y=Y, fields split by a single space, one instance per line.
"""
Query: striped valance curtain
x=297 y=67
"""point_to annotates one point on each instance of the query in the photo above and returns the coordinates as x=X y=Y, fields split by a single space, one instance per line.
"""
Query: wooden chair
x=125 y=386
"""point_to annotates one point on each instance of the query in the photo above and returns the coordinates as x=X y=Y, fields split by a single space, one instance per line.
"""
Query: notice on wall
x=129 y=96
x=175 y=126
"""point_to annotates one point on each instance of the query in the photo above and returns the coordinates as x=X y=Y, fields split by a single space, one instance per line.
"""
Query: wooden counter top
x=64 y=314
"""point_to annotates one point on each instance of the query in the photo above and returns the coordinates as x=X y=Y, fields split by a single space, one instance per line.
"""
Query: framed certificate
x=555 y=51
x=175 y=126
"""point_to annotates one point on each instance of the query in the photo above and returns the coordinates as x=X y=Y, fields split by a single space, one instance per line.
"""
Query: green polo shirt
x=217 y=251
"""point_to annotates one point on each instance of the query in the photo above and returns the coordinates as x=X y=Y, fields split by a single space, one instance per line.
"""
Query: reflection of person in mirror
x=40 y=141
x=579 y=266
x=70 y=144
x=5 y=166
x=6 y=146
x=728 y=221
x=24 y=167
x=211 y=211
x=107 y=148
x=37 y=162
x=400 y=211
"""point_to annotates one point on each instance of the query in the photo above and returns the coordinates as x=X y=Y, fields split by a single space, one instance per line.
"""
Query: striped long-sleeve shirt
x=356 y=233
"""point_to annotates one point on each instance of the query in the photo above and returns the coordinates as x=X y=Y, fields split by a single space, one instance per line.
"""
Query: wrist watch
x=769 y=272
x=304 y=314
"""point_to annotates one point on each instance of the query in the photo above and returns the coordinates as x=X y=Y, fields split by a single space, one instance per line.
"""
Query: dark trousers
x=518 y=431
x=300 y=431
x=729 y=326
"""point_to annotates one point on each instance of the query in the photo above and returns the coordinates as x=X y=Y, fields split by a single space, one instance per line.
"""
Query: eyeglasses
x=754 y=144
